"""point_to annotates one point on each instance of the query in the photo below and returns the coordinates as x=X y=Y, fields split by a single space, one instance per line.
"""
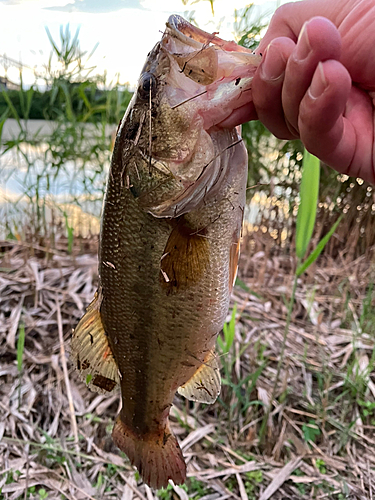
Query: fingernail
x=303 y=44
x=273 y=65
x=318 y=83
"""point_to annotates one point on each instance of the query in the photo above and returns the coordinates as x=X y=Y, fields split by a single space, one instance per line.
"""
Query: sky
x=123 y=30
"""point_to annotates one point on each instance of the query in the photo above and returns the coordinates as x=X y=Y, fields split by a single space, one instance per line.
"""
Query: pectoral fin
x=185 y=259
x=92 y=352
x=204 y=385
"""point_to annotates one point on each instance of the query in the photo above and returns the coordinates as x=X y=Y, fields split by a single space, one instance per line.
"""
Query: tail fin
x=158 y=458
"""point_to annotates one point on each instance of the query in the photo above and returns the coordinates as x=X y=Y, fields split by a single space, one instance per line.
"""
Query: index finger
x=288 y=19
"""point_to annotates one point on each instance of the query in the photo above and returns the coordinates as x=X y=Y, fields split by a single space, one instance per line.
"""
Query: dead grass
x=54 y=433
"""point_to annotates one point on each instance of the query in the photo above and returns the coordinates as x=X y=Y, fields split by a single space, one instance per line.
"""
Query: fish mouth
x=191 y=35
x=206 y=59
x=207 y=79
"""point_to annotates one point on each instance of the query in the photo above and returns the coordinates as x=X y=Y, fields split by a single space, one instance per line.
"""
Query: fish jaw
x=174 y=112
x=220 y=72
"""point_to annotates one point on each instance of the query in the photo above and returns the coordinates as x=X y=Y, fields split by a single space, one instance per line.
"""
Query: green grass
x=70 y=233
x=20 y=346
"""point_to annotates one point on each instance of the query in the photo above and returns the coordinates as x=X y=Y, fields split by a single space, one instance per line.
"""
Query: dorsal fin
x=92 y=353
x=204 y=385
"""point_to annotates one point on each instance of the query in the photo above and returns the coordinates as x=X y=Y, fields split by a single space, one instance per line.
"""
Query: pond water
x=42 y=181
x=41 y=185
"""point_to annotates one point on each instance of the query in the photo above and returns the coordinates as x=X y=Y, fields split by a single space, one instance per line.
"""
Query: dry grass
x=320 y=436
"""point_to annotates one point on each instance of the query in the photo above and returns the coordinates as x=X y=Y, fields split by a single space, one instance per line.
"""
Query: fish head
x=176 y=149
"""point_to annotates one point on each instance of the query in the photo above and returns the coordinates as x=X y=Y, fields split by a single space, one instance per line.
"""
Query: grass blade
x=70 y=233
x=318 y=249
x=11 y=107
x=3 y=119
x=20 y=346
x=229 y=331
x=309 y=197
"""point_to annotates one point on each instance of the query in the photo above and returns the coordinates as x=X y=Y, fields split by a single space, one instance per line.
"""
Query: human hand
x=316 y=82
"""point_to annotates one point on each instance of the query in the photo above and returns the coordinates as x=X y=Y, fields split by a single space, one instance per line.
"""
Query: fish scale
x=169 y=243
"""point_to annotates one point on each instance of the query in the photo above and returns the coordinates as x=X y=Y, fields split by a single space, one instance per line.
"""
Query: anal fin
x=204 y=386
x=92 y=353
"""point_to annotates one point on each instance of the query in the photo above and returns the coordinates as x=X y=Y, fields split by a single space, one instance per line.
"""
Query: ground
x=295 y=419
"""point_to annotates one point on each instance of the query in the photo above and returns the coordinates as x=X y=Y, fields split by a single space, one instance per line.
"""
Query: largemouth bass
x=169 y=243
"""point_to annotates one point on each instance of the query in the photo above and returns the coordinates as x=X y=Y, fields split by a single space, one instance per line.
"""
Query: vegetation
x=296 y=415
x=87 y=102
x=313 y=386
x=64 y=168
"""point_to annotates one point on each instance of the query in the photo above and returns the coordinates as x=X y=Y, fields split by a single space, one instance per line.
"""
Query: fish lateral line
x=150 y=128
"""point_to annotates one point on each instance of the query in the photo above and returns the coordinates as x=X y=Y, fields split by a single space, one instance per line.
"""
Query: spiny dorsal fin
x=204 y=385
x=92 y=353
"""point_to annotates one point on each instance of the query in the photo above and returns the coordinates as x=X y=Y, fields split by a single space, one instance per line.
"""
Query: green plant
x=70 y=233
x=237 y=392
x=252 y=482
x=69 y=165
x=20 y=350
x=42 y=494
x=310 y=431
x=305 y=225
x=367 y=409
x=196 y=488
x=309 y=191
x=247 y=28
x=165 y=493
x=3 y=118
x=229 y=332
x=321 y=466
x=99 y=481
x=20 y=346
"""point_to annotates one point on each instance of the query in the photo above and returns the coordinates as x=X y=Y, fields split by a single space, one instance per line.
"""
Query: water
x=56 y=175
x=42 y=179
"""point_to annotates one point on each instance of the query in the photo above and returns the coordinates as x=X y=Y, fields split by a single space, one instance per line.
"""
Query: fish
x=169 y=243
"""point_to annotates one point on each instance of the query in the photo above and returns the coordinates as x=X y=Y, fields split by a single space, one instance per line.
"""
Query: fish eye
x=147 y=84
